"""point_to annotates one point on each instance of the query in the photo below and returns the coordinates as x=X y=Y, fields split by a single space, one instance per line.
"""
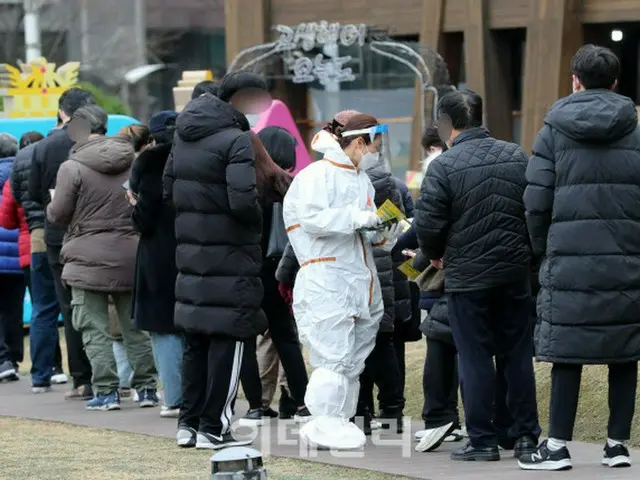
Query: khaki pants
x=271 y=371
x=90 y=317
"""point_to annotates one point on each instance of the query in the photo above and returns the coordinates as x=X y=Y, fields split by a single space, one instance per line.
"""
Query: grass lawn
x=36 y=450
x=591 y=422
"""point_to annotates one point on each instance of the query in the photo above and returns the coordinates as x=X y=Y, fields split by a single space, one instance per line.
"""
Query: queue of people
x=185 y=253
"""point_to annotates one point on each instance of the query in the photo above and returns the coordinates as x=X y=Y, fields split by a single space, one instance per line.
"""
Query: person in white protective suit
x=332 y=224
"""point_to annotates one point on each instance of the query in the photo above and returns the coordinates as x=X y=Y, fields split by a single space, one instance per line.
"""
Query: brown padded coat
x=99 y=249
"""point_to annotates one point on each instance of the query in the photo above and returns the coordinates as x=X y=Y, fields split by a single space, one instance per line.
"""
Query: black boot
x=364 y=413
x=388 y=418
x=287 y=407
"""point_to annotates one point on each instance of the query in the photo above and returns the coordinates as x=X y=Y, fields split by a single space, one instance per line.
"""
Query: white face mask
x=369 y=160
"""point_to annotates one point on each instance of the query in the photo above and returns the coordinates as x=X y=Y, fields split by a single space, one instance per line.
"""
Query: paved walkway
x=386 y=452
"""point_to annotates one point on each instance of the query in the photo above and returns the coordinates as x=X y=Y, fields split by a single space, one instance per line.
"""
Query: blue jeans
x=167 y=352
x=125 y=372
x=43 y=331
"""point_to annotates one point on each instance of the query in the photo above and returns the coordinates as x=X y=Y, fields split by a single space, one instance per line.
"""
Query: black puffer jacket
x=471 y=213
x=288 y=267
x=49 y=154
x=436 y=325
x=583 y=213
x=385 y=189
x=212 y=184
x=33 y=211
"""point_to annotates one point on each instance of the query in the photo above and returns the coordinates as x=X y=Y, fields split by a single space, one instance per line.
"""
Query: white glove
x=365 y=219
x=392 y=232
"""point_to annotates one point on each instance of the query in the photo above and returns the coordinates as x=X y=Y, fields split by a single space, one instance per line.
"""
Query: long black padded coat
x=583 y=215
x=154 y=220
x=211 y=181
x=471 y=214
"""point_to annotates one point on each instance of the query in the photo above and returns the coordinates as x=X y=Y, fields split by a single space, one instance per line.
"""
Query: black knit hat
x=160 y=121
x=232 y=83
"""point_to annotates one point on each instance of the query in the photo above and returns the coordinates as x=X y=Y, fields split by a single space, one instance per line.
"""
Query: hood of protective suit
x=327 y=144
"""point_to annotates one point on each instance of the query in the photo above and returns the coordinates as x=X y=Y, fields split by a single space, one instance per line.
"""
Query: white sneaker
x=434 y=437
x=39 y=390
x=59 y=378
x=375 y=425
x=169 y=412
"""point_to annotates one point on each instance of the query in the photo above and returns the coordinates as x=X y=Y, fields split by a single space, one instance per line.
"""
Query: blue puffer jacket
x=9 y=254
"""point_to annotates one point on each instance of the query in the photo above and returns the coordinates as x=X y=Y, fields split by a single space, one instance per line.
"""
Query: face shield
x=378 y=153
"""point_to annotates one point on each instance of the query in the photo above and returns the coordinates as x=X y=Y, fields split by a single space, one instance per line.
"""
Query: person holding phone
x=99 y=255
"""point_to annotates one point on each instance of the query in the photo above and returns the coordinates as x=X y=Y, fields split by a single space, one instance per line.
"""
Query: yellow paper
x=408 y=270
x=389 y=212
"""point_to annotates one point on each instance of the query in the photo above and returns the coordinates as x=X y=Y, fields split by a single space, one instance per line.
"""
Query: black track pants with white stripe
x=210 y=376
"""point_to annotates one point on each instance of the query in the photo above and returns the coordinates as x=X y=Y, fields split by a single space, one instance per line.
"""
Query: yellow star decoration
x=34 y=89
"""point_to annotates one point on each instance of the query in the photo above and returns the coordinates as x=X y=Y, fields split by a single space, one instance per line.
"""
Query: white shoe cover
x=332 y=433
x=328 y=394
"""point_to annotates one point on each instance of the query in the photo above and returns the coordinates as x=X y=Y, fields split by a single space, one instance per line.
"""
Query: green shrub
x=107 y=101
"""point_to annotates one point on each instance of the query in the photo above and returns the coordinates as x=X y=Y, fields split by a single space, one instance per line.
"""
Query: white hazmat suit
x=337 y=299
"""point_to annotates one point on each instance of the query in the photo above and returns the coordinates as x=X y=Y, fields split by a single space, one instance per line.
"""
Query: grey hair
x=95 y=116
x=8 y=145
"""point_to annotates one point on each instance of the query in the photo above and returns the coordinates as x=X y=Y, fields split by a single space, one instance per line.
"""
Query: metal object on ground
x=238 y=463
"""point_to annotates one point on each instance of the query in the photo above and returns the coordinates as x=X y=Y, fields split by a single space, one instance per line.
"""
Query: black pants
x=250 y=375
x=12 y=288
x=79 y=366
x=382 y=369
x=285 y=338
x=565 y=390
x=440 y=385
x=210 y=375
x=488 y=323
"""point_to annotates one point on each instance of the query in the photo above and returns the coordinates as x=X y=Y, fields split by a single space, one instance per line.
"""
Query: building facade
x=515 y=53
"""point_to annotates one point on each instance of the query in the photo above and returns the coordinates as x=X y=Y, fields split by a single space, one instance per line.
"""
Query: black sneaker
x=303 y=415
x=287 y=407
x=8 y=372
x=186 y=437
x=545 y=459
x=525 y=446
x=269 y=412
x=254 y=418
x=208 y=441
x=469 y=453
x=616 y=457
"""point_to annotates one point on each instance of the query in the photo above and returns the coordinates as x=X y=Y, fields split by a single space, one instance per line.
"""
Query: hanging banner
x=326 y=67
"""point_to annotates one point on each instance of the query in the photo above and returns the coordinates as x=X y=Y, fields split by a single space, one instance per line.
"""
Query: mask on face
x=368 y=160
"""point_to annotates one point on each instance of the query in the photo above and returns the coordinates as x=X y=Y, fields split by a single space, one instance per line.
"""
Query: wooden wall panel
x=402 y=17
x=246 y=25
x=603 y=11
x=553 y=36
x=486 y=73
x=432 y=16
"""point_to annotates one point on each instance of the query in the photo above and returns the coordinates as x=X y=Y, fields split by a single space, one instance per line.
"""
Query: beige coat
x=99 y=248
